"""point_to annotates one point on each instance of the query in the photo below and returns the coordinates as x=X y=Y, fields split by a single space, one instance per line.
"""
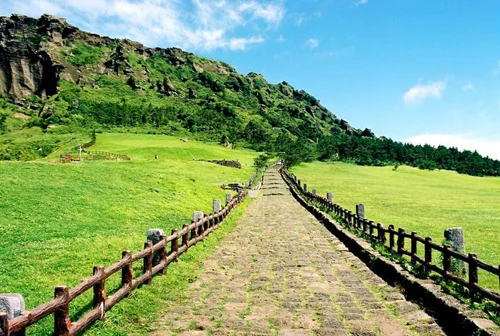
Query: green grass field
x=417 y=200
x=58 y=220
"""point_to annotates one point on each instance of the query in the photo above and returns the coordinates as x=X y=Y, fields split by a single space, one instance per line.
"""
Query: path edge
x=447 y=311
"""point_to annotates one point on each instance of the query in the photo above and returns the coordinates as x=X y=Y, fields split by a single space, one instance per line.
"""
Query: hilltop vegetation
x=73 y=80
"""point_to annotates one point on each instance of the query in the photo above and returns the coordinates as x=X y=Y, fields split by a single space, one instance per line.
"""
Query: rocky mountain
x=58 y=74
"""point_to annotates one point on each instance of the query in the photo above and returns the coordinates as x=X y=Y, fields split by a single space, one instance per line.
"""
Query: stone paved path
x=280 y=272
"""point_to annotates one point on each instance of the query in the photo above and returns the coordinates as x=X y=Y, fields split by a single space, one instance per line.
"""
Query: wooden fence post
x=127 y=270
x=401 y=241
x=62 y=323
x=371 y=226
x=413 y=247
x=446 y=260
x=4 y=324
x=381 y=233
x=428 y=254
x=100 y=291
x=365 y=223
x=391 y=237
x=148 y=262
x=185 y=240
x=473 y=276
x=174 y=244
x=163 y=253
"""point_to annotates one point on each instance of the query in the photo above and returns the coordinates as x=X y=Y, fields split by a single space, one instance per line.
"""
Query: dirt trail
x=280 y=272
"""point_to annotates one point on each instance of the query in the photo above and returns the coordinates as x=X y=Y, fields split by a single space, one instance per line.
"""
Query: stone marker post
x=360 y=211
x=455 y=238
x=229 y=197
x=313 y=192
x=154 y=236
x=13 y=305
x=329 y=196
x=197 y=215
x=216 y=203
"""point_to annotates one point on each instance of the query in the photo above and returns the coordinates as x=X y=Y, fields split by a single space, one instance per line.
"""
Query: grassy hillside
x=424 y=201
x=58 y=220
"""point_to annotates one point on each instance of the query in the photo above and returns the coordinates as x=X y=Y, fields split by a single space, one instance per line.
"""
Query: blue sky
x=424 y=71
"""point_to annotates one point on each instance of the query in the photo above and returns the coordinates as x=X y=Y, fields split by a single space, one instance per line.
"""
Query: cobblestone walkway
x=280 y=272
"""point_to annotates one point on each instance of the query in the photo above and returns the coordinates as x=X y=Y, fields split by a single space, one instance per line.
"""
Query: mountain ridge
x=39 y=54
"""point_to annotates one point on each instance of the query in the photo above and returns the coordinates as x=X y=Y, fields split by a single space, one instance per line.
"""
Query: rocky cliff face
x=48 y=56
x=25 y=68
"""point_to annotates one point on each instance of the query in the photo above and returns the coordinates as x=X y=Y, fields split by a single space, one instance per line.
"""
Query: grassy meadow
x=58 y=220
x=418 y=200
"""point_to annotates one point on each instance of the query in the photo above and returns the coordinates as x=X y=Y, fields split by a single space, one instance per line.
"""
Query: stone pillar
x=329 y=196
x=455 y=239
x=313 y=192
x=154 y=236
x=305 y=187
x=13 y=305
x=197 y=215
x=216 y=203
x=360 y=211
x=229 y=197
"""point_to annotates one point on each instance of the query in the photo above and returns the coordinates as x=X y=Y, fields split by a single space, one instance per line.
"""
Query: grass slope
x=417 y=200
x=58 y=220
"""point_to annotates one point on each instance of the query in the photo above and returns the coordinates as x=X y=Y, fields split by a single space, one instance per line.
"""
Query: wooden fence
x=395 y=240
x=179 y=241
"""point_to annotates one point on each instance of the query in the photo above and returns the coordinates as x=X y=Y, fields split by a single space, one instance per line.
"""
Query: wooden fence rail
x=60 y=305
x=397 y=243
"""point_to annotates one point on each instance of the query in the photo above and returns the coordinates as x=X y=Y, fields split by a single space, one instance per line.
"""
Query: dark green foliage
x=3 y=124
x=83 y=54
x=123 y=84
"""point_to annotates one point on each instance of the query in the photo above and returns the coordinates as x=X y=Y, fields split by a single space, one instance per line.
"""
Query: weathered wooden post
x=11 y=306
x=391 y=237
x=155 y=236
x=455 y=238
x=174 y=244
x=127 y=270
x=313 y=192
x=305 y=187
x=329 y=197
x=413 y=247
x=62 y=323
x=299 y=183
x=446 y=260
x=401 y=241
x=371 y=228
x=100 y=292
x=148 y=262
x=163 y=254
x=185 y=237
x=473 y=277
x=428 y=254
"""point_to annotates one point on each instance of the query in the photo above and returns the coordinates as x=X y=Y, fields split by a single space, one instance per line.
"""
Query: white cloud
x=361 y=2
x=484 y=146
x=193 y=24
x=313 y=43
x=241 y=43
x=468 y=87
x=421 y=92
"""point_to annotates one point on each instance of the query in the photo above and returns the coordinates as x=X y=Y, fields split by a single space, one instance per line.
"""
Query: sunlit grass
x=58 y=220
x=417 y=200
